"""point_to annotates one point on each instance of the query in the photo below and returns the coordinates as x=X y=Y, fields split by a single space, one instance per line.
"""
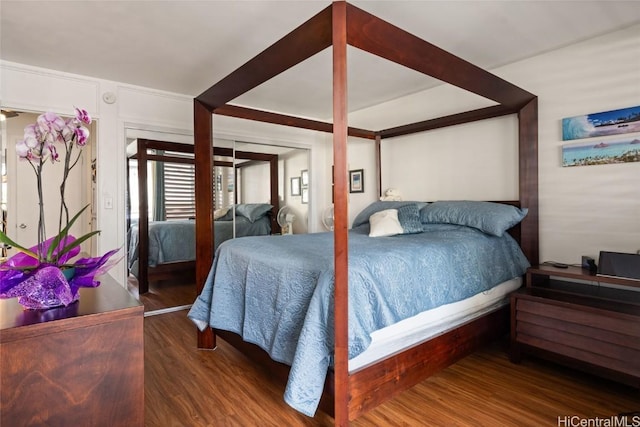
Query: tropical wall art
x=614 y=122
x=601 y=153
x=625 y=120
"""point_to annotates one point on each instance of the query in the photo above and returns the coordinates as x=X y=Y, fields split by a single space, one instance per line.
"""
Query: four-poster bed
x=348 y=394
x=160 y=250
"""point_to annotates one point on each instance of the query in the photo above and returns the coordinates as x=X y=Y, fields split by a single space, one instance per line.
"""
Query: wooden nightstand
x=591 y=327
x=78 y=365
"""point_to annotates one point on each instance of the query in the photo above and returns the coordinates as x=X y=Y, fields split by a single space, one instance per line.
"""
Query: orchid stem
x=64 y=210
x=41 y=223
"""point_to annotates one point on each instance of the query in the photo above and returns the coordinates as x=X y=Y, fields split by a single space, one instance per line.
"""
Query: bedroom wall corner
x=361 y=155
x=583 y=210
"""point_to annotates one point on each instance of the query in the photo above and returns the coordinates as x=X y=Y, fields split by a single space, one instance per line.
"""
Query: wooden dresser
x=79 y=365
x=591 y=327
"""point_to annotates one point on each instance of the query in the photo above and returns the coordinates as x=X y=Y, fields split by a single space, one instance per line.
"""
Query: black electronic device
x=619 y=264
x=589 y=264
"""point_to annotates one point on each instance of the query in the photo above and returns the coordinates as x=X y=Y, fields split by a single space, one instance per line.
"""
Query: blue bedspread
x=171 y=241
x=277 y=291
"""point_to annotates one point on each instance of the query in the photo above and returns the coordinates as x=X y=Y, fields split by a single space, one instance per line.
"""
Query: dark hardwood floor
x=164 y=294
x=189 y=387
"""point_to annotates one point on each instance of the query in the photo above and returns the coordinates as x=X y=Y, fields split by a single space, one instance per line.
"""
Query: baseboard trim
x=166 y=310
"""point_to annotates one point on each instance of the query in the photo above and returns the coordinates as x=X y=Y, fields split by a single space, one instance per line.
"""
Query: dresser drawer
x=607 y=339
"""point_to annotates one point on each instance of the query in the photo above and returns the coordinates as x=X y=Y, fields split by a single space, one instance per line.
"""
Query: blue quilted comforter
x=171 y=241
x=277 y=291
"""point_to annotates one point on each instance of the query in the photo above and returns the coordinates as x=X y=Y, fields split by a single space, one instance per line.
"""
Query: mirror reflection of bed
x=249 y=189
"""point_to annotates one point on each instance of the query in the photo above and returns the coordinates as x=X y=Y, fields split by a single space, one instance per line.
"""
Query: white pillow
x=219 y=213
x=385 y=223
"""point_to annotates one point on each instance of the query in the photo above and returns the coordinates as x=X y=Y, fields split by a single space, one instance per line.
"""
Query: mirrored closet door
x=252 y=196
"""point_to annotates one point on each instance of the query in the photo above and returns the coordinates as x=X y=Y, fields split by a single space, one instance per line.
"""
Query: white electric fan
x=327 y=218
x=285 y=219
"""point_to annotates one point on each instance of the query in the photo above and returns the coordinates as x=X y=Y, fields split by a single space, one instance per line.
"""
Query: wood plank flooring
x=164 y=294
x=189 y=387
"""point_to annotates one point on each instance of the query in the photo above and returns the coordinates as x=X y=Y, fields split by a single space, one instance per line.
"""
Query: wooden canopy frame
x=337 y=26
x=147 y=274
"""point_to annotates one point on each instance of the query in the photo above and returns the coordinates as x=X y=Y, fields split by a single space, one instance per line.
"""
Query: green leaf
x=60 y=237
x=6 y=240
x=78 y=241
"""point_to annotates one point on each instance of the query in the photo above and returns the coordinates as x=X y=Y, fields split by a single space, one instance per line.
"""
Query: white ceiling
x=186 y=46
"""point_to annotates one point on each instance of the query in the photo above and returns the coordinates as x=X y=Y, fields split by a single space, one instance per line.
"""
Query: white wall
x=360 y=155
x=583 y=210
x=255 y=181
x=290 y=166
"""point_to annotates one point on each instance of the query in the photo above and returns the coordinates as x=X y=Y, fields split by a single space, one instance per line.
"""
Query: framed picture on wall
x=356 y=181
x=304 y=178
x=624 y=120
x=305 y=195
x=295 y=186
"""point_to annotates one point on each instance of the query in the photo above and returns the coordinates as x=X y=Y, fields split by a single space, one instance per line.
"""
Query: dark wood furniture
x=78 y=365
x=590 y=326
x=337 y=26
x=148 y=150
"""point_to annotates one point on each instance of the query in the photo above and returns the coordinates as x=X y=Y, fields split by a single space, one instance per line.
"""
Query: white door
x=23 y=208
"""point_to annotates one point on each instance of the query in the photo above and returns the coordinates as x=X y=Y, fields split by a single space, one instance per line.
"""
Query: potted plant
x=47 y=275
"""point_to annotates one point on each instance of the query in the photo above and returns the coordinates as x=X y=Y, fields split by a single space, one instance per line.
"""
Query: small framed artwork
x=304 y=178
x=624 y=120
x=356 y=181
x=295 y=186
x=305 y=195
x=602 y=153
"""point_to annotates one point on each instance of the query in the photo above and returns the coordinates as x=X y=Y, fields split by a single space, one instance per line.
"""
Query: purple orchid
x=44 y=285
x=83 y=116
x=82 y=136
x=44 y=276
x=38 y=144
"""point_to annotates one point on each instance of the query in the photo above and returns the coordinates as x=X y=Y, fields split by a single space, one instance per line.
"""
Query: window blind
x=179 y=191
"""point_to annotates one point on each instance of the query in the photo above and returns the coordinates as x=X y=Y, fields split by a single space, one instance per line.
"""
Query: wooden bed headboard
x=337 y=26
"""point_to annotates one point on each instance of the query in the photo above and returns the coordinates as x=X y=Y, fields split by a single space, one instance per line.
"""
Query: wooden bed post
x=203 y=151
x=528 y=169
x=340 y=233
x=275 y=199
x=378 y=147
x=143 y=219
x=128 y=194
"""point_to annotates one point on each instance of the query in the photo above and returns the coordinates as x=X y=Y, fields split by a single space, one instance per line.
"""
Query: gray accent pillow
x=253 y=211
x=409 y=217
x=377 y=206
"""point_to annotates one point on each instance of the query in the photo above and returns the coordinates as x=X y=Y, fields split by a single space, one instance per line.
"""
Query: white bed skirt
x=431 y=323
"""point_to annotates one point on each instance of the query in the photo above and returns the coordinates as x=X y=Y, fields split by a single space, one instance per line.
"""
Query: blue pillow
x=488 y=217
x=409 y=217
x=253 y=211
x=363 y=216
